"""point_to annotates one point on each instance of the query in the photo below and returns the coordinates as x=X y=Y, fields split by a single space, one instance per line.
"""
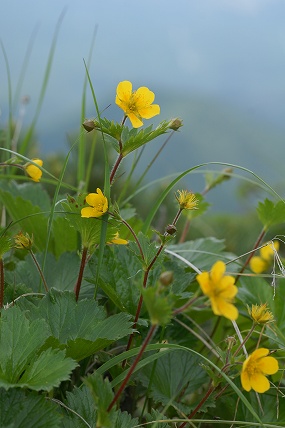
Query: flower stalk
x=81 y=271
x=133 y=366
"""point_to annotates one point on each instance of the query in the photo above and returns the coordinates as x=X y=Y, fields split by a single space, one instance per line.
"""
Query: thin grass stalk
x=81 y=175
x=25 y=143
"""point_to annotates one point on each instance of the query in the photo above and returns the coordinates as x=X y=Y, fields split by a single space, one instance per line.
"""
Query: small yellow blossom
x=118 y=241
x=255 y=369
x=187 y=200
x=220 y=289
x=33 y=171
x=137 y=105
x=23 y=241
x=259 y=264
x=260 y=314
x=98 y=205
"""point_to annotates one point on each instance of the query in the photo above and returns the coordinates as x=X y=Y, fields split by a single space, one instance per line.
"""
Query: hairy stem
x=81 y=270
x=133 y=366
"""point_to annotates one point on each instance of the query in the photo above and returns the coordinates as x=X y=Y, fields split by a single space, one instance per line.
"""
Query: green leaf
x=27 y=214
x=48 y=371
x=120 y=277
x=124 y=420
x=82 y=406
x=21 y=363
x=202 y=253
x=20 y=341
x=80 y=327
x=270 y=213
x=159 y=306
x=19 y=409
x=102 y=393
x=175 y=372
x=66 y=239
x=134 y=138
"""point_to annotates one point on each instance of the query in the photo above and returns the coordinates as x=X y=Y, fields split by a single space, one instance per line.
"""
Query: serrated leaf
x=125 y=420
x=27 y=410
x=20 y=341
x=102 y=394
x=80 y=327
x=82 y=406
x=21 y=363
x=270 y=213
x=48 y=371
x=120 y=277
x=134 y=138
x=149 y=249
x=175 y=372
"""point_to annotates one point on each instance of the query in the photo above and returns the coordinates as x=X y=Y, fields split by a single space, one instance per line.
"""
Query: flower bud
x=166 y=278
x=23 y=241
x=175 y=124
x=170 y=229
x=88 y=125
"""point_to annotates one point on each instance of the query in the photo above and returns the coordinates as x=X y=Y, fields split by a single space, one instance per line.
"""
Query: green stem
x=1 y=283
x=39 y=269
x=133 y=366
x=81 y=270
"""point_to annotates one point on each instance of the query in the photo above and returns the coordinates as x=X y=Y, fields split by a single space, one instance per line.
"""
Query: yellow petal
x=217 y=271
x=124 y=91
x=88 y=212
x=143 y=97
x=268 y=365
x=259 y=383
x=204 y=282
x=228 y=291
x=93 y=199
x=245 y=381
x=258 y=265
x=33 y=171
x=149 y=112
x=135 y=121
x=228 y=310
x=259 y=353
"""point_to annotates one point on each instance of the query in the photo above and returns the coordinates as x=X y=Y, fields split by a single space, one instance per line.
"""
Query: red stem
x=259 y=239
x=193 y=413
x=133 y=366
x=81 y=270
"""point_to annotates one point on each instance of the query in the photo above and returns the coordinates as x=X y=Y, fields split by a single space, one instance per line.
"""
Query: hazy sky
x=231 y=50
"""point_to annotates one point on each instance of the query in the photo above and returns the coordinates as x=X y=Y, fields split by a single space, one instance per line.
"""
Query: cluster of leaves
x=103 y=335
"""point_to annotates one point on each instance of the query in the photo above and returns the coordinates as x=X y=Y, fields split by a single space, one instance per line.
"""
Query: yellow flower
x=255 y=369
x=118 y=241
x=260 y=314
x=33 y=171
x=98 y=205
x=259 y=264
x=187 y=200
x=137 y=105
x=220 y=289
x=23 y=241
